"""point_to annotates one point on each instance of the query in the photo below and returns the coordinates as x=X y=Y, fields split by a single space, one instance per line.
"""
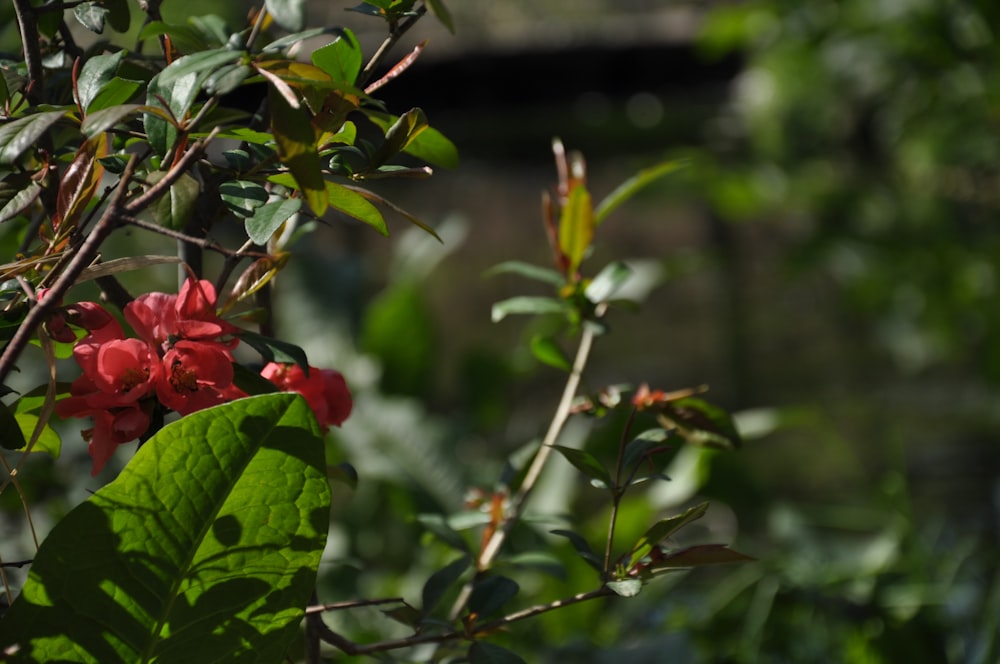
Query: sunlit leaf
x=696 y=556
x=546 y=350
x=94 y=74
x=208 y=542
x=526 y=305
x=353 y=204
x=269 y=217
x=625 y=587
x=607 y=282
x=115 y=92
x=296 y=141
x=341 y=58
x=429 y=144
x=289 y=14
x=576 y=227
x=91 y=15
x=196 y=63
x=661 y=530
x=242 y=197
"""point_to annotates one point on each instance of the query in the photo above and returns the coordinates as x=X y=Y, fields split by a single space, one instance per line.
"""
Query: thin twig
x=27 y=24
x=204 y=243
x=520 y=499
x=383 y=50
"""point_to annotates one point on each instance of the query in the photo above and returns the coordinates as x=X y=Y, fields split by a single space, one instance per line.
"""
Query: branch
x=520 y=499
x=27 y=23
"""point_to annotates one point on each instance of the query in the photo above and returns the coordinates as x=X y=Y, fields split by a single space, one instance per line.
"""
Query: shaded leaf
x=295 y=38
x=107 y=118
x=701 y=423
x=242 y=197
x=275 y=350
x=627 y=189
x=438 y=526
x=48 y=442
x=481 y=652
x=18 y=135
x=372 y=196
x=662 y=530
x=490 y=594
x=174 y=208
x=696 y=556
x=526 y=305
x=441 y=13
x=637 y=448
x=269 y=217
x=586 y=463
x=582 y=548
x=438 y=583
x=11 y=436
x=543 y=274
x=184 y=552
x=118 y=16
x=226 y=79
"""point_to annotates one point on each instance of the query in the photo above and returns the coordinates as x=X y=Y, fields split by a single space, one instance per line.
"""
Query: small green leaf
x=18 y=135
x=117 y=91
x=48 y=442
x=251 y=382
x=547 y=351
x=576 y=227
x=526 y=305
x=586 y=463
x=429 y=144
x=242 y=197
x=95 y=74
x=269 y=217
x=174 y=208
x=627 y=189
x=490 y=594
x=481 y=652
x=441 y=13
x=289 y=14
x=275 y=350
x=208 y=542
x=107 y=118
x=353 y=204
x=439 y=582
x=197 y=63
x=438 y=526
x=625 y=587
x=543 y=274
x=661 y=530
x=637 y=448
x=91 y=15
x=607 y=282
x=341 y=58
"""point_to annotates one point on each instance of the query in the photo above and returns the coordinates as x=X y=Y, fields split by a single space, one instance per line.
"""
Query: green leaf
x=587 y=464
x=607 y=282
x=289 y=14
x=107 y=118
x=269 y=217
x=11 y=435
x=117 y=91
x=582 y=548
x=252 y=382
x=208 y=542
x=543 y=274
x=429 y=144
x=242 y=197
x=696 y=556
x=197 y=63
x=490 y=594
x=20 y=201
x=481 y=652
x=701 y=423
x=661 y=530
x=275 y=350
x=438 y=526
x=48 y=442
x=174 y=208
x=441 y=13
x=353 y=204
x=226 y=79
x=576 y=227
x=627 y=189
x=174 y=99
x=296 y=141
x=94 y=74
x=526 y=305
x=91 y=15
x=439 y=582
x=341 y=58
x=625 y=587
x=546 y=350
x=295 y=38
x=18 y=135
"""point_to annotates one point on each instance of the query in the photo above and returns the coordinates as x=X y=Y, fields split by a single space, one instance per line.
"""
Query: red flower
x=325 y=390
x=161 y=319
x=196 y=375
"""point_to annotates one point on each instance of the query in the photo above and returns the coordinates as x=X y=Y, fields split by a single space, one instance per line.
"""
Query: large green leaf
x=204 y=549
x=428 y=144
x=341 y=58
x=94 y=74
x=661 y=530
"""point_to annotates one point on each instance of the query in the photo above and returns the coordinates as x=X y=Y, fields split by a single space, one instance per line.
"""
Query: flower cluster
x=181 y=361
